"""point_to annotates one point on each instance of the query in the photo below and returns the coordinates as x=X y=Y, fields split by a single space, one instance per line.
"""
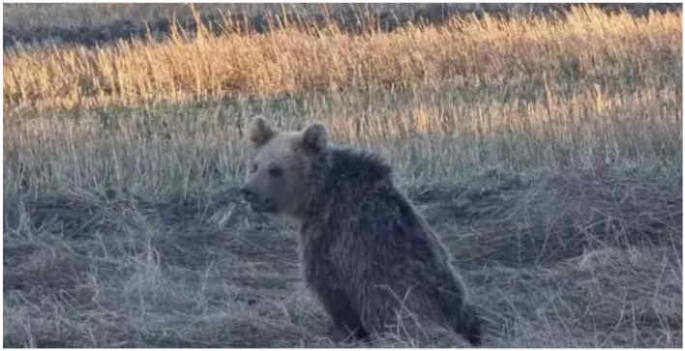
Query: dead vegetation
x=570 y=261
x=547 y=155
x=457 y=55
x=36 y=25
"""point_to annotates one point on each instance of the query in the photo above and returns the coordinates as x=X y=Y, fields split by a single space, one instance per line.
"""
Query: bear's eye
x=253 y=168
x=275 y=171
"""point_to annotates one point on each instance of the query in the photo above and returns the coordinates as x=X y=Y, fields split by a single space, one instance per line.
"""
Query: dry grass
x=29 y=16
x=461 y=54
x=32 y=16
x=123 y=226
x=429 y=137
x=595 y=92
x=98 y=272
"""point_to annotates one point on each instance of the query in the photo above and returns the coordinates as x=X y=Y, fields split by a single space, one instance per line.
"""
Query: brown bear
x=367 y=254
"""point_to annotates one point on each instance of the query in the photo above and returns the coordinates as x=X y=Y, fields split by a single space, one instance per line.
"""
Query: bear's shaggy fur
x=368 y=256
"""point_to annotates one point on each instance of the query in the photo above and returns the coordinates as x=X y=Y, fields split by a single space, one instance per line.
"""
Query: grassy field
x=546 y=153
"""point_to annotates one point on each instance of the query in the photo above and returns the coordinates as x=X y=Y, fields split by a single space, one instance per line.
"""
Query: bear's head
x=278 y=179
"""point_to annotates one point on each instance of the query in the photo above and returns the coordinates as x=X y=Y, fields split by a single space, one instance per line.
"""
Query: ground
x=569 y=260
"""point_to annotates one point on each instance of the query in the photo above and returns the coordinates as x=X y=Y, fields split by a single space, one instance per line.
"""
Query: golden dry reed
x=289 y=61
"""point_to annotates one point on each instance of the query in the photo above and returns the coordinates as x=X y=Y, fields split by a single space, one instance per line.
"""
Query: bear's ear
x=260 y=132
x=315 y=137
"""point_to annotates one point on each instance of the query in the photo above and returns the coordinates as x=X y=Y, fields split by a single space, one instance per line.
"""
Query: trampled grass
x=546 y=154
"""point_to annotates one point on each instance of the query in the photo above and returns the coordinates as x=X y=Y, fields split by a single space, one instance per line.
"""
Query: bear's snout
x=247 y=194
x=257 y=203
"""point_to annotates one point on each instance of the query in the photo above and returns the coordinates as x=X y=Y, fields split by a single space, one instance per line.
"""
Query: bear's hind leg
x=469 y=324
x=342 y=312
